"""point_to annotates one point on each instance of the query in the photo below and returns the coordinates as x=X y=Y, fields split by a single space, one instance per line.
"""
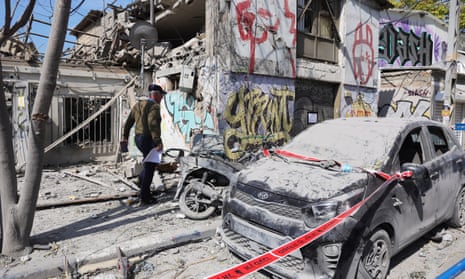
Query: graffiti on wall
x=253 y=115
x=404 y=108
x=406 y=94
x=267 y=31
x=402 y=44
x=363 y=53
x=182 y=118
x=359 y=103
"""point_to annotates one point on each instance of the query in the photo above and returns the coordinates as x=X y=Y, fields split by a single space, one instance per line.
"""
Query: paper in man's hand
x=154 y=156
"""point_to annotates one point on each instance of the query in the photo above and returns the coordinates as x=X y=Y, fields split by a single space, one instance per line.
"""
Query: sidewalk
x=88 y=236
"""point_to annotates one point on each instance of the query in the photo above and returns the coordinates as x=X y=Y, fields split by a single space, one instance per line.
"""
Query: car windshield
x=363 y=145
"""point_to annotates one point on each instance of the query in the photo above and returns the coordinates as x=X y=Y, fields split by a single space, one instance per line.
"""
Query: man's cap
x=156 y=87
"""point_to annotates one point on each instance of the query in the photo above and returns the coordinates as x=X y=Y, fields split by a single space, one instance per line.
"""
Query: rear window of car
x=441 y=142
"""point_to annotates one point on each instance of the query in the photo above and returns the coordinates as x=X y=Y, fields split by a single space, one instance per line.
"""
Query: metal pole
x=451 y=61
x=152 y=18
x=142 y=58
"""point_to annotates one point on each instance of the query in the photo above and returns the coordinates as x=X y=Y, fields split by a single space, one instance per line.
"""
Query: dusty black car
x=335 y=165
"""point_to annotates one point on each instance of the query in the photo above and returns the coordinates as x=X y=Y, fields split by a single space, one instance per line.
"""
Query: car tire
x=458 y=217
x=376 y=257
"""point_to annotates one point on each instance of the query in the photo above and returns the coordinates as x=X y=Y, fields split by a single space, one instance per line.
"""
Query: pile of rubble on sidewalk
x=86 y=215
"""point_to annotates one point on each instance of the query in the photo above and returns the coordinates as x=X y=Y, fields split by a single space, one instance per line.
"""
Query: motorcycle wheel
x=194 y=204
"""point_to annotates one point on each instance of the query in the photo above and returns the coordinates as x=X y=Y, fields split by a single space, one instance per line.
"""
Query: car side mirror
x=419 y=178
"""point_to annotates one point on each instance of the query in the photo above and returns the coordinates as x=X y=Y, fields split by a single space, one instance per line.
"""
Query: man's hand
x=123 y=145
x=159 y=147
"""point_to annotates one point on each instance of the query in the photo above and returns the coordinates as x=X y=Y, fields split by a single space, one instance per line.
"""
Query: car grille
x=290 y=263
x=280 y=209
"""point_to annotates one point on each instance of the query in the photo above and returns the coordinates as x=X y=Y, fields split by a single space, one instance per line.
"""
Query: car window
x=411 y=150
x=439 y=140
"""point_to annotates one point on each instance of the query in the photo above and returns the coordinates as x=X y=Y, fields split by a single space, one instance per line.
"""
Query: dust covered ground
x=425 y=259
x=90 y=207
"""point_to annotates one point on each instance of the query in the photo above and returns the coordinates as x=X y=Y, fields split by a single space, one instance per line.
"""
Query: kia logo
x=263 y=195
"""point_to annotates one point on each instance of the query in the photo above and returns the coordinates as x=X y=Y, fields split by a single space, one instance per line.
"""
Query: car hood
x=308 y=182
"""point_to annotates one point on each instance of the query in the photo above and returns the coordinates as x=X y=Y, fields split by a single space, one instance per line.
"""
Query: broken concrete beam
x=88 y=200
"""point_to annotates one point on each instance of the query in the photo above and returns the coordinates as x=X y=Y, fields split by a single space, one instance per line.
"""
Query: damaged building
x=240 y=68
x=84 y=112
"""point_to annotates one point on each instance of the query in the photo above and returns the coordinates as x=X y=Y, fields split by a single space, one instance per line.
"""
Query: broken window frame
x=77 y=108
x=318 y=35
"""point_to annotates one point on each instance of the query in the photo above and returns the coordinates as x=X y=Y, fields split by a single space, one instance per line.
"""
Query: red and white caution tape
x=295 y=155
x=274 y=255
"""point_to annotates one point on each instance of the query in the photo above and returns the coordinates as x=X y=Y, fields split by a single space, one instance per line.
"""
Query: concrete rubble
x=83 y=237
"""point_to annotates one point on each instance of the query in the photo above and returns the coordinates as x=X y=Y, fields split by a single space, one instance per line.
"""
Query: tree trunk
x=18 y=211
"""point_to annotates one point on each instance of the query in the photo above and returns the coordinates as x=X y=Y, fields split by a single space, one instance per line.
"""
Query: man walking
x=145 y=114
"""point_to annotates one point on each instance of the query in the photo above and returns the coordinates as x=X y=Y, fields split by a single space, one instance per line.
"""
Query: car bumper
x=318 y=259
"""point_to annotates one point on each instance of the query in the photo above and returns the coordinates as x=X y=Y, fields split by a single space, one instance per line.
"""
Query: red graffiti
x=363 y=54
x=289 y=14
x=247 y=22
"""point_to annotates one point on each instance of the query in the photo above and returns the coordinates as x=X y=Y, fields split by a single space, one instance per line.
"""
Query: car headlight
x=318 y=213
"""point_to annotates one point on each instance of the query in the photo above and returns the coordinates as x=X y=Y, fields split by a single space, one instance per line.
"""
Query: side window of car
x=411 y=150
x=439 y=140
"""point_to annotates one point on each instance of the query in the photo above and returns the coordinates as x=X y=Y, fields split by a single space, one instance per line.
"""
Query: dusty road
x=424 y=260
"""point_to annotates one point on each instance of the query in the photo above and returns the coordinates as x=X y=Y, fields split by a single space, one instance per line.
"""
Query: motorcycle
x=205 y=175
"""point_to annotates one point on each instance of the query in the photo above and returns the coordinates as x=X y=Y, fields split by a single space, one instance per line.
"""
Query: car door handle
x=435 y=175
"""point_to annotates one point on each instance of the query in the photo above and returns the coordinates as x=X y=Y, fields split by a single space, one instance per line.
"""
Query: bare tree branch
x=24 y=18
x=7 y=30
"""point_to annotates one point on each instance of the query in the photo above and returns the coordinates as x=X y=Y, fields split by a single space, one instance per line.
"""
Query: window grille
x=99 y=132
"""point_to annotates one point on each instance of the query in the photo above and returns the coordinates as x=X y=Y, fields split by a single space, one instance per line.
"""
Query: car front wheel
x=458 y=219
x=376 y=257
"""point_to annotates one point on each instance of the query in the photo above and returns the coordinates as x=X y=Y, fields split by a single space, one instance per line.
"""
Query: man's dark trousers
x=145 y=143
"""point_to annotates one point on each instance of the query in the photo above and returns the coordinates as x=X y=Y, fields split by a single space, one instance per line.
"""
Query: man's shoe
x=148 y=201
x=143 y=202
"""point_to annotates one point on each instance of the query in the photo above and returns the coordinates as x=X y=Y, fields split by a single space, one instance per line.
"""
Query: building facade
x=413 y=63
x=245 y=69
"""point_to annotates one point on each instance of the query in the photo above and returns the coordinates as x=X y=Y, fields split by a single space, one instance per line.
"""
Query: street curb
x=134 y=247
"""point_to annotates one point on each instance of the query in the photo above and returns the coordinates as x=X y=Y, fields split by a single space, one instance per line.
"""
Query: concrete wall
x=358 y=97
x=255 y=107
x=182 y=118
x=360 y=25
x=243 y=88
x=246 y=108
x=264 y=37
x=406 y=94
x=412 y=55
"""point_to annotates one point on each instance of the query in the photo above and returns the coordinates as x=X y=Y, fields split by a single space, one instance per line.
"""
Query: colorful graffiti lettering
x=256 y=35
x=360 y=108
x=181 y=108
x=405 y=46
x=404 y=108
x=363 y=53
x=253 y=114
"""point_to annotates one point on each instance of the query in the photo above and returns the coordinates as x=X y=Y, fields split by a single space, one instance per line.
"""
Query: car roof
x=381 y=122
x=362 y=142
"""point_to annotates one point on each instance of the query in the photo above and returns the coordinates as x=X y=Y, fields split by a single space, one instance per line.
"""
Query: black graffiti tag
x=395 y=44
